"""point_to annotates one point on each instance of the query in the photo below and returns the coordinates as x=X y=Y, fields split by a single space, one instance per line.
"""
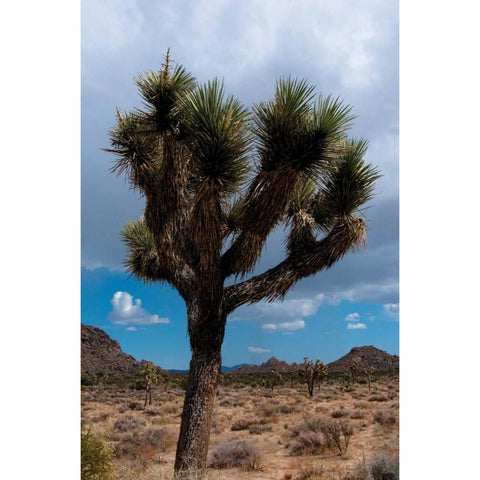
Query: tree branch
x=347 y=232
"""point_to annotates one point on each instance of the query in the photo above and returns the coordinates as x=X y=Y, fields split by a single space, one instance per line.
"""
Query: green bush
x=96 y=457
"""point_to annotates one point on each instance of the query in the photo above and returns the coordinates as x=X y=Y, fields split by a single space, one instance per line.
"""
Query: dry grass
x=269 y=423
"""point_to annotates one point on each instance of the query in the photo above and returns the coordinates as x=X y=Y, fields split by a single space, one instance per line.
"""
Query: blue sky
x=344 y=48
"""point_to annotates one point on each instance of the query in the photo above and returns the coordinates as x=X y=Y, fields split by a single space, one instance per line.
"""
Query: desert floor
x=270 y=423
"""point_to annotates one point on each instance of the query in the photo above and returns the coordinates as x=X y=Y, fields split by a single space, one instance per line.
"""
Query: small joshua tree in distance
x=312 y=372
x=369 y=372
x=353 y=369
x=151 y=378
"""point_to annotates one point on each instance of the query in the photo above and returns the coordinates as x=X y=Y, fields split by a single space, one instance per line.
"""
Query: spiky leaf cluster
x=161 y=93
x=217 y=136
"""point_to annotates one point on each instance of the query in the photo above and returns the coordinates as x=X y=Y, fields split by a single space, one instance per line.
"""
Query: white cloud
x=258 y=350
x=352 y=317
x=288 y=326
x=126 y=312
x=392 y=309
x=356 y=326
x=368 y=292
x=131 y=329
x=276 y=312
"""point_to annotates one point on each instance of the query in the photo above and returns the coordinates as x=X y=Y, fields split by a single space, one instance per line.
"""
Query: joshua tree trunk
x=206 y=341
x=310 y=384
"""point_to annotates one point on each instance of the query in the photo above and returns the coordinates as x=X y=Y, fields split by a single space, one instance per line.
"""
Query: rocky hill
x=368 y=356
x=102 y=354
x=272 y=364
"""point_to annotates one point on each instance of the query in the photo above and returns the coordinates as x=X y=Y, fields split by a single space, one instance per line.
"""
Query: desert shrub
x=127 y=444
x=309 y=443
x=231 y=402
x=314 y=472
x=340 y=434
x=357 y=414
x=100 y=418
x=384 y=418
x=357 y=395
x=242 y=424
x=235 y=454
x=340 y=413
x=286 y=409
x=143 y=446
x=137 y=385
x=158 y=437
x=271 y=408
x=128 y=423
x=171 y=408
x=134 y=406
x=258 y=429
x=318 y=434
x=87 y=380
x=380 y=467
x=151 y=411
x=378 y=398
x=96 y=457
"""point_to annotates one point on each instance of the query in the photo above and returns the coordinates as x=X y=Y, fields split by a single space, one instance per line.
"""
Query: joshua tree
x=274 y=378
x=312 y=372
x=217 y=180
x=101 y=379
x=369 y=371
x=151 y=378
x=353 y=368
x=296 y=376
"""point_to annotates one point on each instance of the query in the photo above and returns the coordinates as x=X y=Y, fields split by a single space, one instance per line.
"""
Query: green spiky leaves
x=217 y=133
x=135 y=150
x=161 y=92
x=348 y=187
x=293 y=131
x=142 y=257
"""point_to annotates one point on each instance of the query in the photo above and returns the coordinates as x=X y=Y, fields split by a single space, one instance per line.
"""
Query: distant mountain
x=101 y=354
x=223 y=369
x=272 y=364
x=368 y=356
x=234 y=368
x=175 y=370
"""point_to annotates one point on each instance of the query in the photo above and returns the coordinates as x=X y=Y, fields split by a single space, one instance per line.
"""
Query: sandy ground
x=105 y=411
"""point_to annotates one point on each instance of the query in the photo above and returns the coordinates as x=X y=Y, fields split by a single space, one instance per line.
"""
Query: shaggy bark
x=206 y=336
